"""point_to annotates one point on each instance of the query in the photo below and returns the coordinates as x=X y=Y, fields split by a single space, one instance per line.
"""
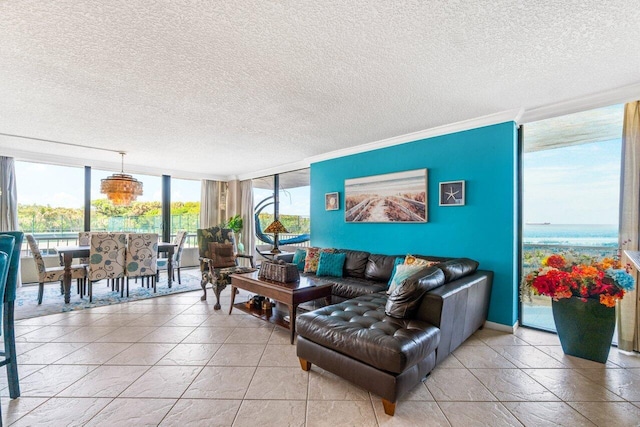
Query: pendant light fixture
x=121 y=189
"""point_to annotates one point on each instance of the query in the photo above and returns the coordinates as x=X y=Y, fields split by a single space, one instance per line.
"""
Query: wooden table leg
x=66 y=278
x=233 y=298
x=292 y=321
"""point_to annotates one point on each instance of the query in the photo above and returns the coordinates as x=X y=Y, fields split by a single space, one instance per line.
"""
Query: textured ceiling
x=223 y=88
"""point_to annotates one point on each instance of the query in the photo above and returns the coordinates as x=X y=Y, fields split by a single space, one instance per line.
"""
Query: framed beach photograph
x=332 y=201
x=452 y=193
x=399 y=197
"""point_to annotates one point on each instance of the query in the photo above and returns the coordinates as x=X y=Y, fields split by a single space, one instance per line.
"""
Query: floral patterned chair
x=52 y=274
x=141 y=259
x=163 y=263
x=215 y=268
x=106 y=258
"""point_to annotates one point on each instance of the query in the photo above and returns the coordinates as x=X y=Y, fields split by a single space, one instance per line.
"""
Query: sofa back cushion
x=379 y=267
x=457 y=268
x=355 y=262
x=406 y=297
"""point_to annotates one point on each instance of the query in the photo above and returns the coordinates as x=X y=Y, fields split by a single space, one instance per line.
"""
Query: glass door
x=570 y=200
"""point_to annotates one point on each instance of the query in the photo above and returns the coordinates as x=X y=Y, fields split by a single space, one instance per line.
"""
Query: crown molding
x=519 y=116
x=478 y=122
x=602 y=99
x=288 y=167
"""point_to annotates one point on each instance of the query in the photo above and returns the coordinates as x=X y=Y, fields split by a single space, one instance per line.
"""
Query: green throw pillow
x=299 y=257
x=331 y=264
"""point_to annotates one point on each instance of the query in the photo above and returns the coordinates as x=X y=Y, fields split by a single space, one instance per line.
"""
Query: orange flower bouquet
x=559 y=278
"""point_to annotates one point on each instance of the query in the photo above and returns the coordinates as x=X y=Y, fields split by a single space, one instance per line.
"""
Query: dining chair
x=51 y=274
x=84 y=239
x=8 y=357
x=142 y=258
x=106 y=258
x=163 y=263
x=218 y=260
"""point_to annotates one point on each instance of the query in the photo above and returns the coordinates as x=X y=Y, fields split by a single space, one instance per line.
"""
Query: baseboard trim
x=501 y=327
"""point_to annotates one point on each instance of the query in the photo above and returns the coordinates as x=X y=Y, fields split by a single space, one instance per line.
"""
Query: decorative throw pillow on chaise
x=222 y=255
x=330 y=264
x=299 y=257
x=404 y=300
x=398 y=261
x=313 y=256
x=412 y=260
x=402 y=272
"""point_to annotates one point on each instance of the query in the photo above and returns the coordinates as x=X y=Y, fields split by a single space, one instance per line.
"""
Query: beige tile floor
x=174 y=361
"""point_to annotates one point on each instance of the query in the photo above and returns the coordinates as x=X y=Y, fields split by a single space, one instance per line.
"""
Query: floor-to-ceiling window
x=570 y=201
x=142 y=216
x=293 y=206
x=185 y=208
x=50 y=203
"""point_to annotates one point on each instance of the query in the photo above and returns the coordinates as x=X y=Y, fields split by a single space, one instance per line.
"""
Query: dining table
x=68 y=253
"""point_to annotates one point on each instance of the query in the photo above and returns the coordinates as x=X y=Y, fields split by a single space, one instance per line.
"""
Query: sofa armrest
x=458 y=308
x=285 y=257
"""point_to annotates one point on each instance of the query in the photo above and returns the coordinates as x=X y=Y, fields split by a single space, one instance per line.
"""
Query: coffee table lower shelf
x=275 y=315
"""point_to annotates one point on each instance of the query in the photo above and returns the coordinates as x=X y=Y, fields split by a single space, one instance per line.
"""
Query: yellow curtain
x=628 y=322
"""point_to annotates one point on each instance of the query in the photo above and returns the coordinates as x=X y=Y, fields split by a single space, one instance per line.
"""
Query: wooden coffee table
x=291 y=294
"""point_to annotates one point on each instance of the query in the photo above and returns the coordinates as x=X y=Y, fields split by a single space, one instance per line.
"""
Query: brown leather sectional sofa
x=355 y=339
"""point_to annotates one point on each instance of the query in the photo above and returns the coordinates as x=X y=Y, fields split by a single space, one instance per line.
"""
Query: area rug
x=52 y=302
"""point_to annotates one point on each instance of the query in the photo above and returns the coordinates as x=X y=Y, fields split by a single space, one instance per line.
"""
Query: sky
x=61 y=186
x=573 y=185
x=569 y=185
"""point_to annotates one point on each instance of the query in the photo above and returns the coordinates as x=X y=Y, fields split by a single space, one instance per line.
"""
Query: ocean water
x=571 y=234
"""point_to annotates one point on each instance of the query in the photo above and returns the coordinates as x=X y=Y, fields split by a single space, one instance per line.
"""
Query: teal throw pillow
x=397 y=262
x=330 y=264
x=299 y=257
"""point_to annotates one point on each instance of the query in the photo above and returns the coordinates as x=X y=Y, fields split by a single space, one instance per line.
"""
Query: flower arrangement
x=560 y=277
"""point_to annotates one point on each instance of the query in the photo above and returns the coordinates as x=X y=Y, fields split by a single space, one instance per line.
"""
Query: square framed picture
x=452 y=193
x=332 y=201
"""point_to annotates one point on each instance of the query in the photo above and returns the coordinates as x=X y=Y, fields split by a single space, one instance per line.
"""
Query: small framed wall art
x=452 y=193
x=332 y=201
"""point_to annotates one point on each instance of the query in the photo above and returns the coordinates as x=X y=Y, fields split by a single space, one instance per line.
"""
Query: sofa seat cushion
x=351 y=287
x=360 y=329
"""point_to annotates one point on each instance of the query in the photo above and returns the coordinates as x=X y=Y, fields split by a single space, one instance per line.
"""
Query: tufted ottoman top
x=360 y=329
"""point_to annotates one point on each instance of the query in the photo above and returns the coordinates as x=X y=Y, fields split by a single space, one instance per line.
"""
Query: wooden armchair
x=218 y=259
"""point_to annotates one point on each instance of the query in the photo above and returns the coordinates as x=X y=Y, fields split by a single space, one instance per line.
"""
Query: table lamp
x=275 y=228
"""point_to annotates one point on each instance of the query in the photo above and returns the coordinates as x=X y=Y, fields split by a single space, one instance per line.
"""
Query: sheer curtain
x=246 y=211
x=8 y=199
x=212 y=207
x=8 y=195
x=234 y=202
x=628 y=325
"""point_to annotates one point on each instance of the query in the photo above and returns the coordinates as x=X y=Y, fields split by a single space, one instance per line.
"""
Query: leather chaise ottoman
x=356 y=340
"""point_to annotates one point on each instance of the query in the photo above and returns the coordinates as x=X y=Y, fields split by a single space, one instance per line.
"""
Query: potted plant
x=235 y=223
x=584 y=295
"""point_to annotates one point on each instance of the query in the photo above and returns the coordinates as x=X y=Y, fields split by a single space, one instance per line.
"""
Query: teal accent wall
x=484 y=229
